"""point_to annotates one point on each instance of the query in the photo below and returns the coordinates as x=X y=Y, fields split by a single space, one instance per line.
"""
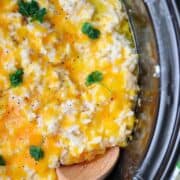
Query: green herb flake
x=16 y=78
x=32 y=10
x=94 y=77
x=40 y=15
x=36 y=152
x=90 y=31
x=2 y=161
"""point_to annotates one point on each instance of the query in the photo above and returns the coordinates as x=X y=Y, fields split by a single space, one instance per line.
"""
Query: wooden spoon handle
x=95 y=170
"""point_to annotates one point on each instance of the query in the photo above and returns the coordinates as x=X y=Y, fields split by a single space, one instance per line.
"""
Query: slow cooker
x=156 y=145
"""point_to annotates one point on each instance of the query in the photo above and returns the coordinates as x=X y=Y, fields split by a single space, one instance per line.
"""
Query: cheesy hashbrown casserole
x=67 y=83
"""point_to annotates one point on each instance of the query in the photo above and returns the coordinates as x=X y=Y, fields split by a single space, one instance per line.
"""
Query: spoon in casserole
x=97 y=169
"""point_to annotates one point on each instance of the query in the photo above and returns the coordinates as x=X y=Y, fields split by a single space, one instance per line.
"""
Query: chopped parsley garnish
x=94 y=77
x=90 y=31
x=32 y=10
x=39 y=15
x=16 y=78
x=36 y=152
x=2 y=161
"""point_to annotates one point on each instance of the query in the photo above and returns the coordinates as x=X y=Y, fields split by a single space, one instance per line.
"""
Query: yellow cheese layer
x=53 y=108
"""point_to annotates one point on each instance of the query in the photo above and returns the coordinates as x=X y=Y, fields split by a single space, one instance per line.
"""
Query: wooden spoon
x=97 y=169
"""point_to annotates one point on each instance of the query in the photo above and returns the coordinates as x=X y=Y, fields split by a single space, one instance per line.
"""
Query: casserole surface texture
x=67 y=83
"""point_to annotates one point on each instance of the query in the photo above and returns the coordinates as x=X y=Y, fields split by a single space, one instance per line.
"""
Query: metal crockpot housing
x=155 y=148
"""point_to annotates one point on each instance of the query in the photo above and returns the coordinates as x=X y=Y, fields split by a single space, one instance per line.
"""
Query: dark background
x=178 y=3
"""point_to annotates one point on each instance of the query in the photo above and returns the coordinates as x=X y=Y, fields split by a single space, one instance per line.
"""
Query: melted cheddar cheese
x=53 y=108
